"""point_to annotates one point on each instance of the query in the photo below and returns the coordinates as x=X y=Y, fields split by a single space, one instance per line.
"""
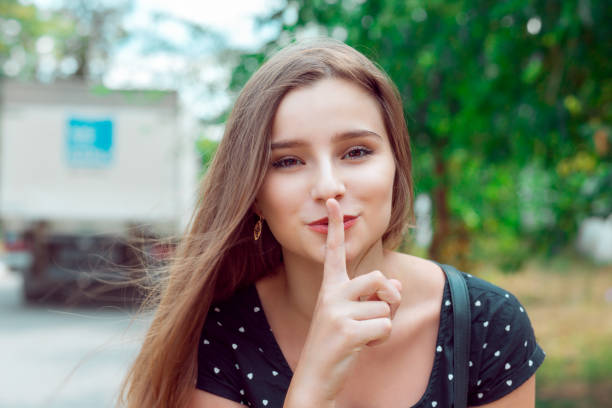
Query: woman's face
x=328 y=141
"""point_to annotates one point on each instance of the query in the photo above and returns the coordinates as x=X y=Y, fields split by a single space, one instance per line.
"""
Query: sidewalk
x=9 y=277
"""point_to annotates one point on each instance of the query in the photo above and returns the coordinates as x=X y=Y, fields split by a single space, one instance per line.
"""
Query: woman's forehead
x=327 y=107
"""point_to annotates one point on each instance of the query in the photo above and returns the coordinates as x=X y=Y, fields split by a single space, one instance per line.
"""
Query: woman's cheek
x=375 y=181
x=279 y=199
x=374 y=188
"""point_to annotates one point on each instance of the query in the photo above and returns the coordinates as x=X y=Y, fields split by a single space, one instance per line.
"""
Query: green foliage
x=206 y=149
x=598 y=365
x=508 y=103
x=20 y=26
x=80 y=36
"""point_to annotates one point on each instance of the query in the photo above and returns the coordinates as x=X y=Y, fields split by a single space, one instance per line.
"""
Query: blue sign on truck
x=89 y=142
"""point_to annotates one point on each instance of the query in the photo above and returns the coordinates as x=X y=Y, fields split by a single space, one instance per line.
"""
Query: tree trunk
x=442 y=228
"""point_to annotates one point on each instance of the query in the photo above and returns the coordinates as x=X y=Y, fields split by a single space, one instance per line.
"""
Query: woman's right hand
x=349 y=314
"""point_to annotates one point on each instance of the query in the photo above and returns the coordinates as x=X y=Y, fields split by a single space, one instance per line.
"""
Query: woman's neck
x=302 y=277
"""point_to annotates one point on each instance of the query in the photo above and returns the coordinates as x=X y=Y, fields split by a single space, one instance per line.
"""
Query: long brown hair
x=218 y=254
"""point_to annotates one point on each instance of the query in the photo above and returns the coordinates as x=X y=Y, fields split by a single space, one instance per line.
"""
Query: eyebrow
x=350 y=134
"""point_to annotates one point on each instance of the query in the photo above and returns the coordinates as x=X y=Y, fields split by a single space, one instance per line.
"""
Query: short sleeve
x=504 y=352
x=217 y=373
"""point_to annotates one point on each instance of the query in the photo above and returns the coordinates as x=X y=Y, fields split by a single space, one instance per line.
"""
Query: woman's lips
x=321 y=225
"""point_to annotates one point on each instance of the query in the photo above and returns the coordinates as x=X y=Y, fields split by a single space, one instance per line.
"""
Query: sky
x=234 y=18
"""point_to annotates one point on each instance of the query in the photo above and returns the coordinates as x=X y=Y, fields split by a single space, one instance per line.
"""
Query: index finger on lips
x=334 y=269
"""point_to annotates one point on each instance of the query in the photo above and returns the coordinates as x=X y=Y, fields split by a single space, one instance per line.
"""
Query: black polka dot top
x=239 y=358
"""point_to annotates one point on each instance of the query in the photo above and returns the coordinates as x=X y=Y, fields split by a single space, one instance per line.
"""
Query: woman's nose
x=327 y=183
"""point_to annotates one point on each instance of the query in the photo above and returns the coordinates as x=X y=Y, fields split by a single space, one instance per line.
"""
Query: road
x=52 y=357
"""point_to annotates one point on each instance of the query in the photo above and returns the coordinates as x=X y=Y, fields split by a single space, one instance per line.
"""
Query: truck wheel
x=31 y=293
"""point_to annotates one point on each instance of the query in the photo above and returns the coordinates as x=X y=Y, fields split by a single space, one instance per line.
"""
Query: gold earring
x=258 y=227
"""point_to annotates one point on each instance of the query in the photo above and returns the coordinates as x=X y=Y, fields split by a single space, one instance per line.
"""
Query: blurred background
x=111 y=109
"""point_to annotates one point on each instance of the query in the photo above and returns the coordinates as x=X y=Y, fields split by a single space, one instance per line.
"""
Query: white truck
x=85 y=173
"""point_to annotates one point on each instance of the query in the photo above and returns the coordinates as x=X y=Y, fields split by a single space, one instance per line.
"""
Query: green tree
x=75 y=39
x=20 y=28
x=98 y=30
x=508 y=105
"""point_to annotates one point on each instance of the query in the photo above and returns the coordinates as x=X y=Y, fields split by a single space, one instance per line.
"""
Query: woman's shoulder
x=495 y=311
x=504 y=352
x=422 y=280
x=479 y=287
x=489 y=301
x=426 y=276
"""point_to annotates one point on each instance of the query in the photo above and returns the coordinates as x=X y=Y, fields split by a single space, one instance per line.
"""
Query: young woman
x=286 y=291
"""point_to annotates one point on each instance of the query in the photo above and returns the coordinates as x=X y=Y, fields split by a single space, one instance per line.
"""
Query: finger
x=369 y=310
x=395 y=282
x=392 y=306
x=373 y=331
x=395 y=306
x=334 y=269
x=376 y=284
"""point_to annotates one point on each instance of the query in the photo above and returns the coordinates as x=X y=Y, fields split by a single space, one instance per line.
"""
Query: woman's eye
x=286 y=162
x=357 y=152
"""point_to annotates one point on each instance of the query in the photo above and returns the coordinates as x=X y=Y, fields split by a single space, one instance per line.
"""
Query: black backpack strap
x=462 y=327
